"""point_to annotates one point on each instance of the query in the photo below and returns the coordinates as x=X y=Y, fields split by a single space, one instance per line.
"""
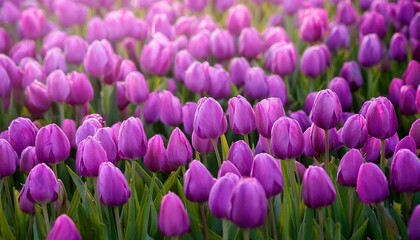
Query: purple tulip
x=267 y=171
x=96 y=30
x=109 y=143
x=28 y=159
x=256 y=205
x=196 y=6
x=173 y=218
x=372 y=23
x=197 y=78
x=100 y=59
x=90 y=154
x=274 y=35
x=406 y=143
x=309 y=102
x=22 y=133
x=112 y=187
x=228 y=167
x=8 y=159
x=338 y=38
x=219 y=83
x=415 y=132
x=405 y=171
x=81 y=89
x=209 y=120
x=223 y=5
x=349 y=168
x=130 y=129
x=372 y=150
x=250 y=43
x=152 y=108
x=277 y=88
x=241 y=115
x=52 y=145
x=54 y=60
x=256 y=86
x=355 y=132
x=32 y=23
x=238 y=68
x=70 y=13
x=198 y=182
x=317 y=139
x=238 y=18
x=160 y=24
x=179 y=149
x=220 y=195
x=222 y=45
x=414 y=27
x=25 y=204
x=370 y=51
x=188 y=112
x=155 y=154
x=200 y=145
x=88 y=128
x=182 y=61
x=411 y=74
x=42 y=185
x=58 y=86
x=350 y=71
x=36 y=98
x=312 y=28
x=9 y=13
x=199 y=45
x=317 y=188
x=171 y=110
x=240 y=154
x=394 y=91
x=407 y=100
x=136 y=90
x=326 y=112
x=413 y=230
x=372 y=185
x=64 y=228
x=314 y=62
x=301 y=117
x=381 y=118
x=281 y=58
x=340 y=86
x=287 y=138
x=267 y=112
x=398 y=47
x=156 y=56
x=346 y=13
x=23 y=49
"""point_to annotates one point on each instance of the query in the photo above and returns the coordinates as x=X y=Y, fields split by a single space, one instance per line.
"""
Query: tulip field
x=209 y=119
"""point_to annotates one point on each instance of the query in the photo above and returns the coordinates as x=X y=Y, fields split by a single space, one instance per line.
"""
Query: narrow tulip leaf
x=400 y=223
x=329 y=229
x=225 y=147
x=305 y=231
x=4 y=226
x=21 y=223
x=193 y=213
x=142 y=210
x=233 y=231
x=337 y=232
x=80 y=185
x=171 y=181
x=153 y=220
x=147 y=178
x=73 y=205
x=360 y=232
x=131 y=233
x=360 y=215
x=374 y=226
x=214 y=236
x=146 y=211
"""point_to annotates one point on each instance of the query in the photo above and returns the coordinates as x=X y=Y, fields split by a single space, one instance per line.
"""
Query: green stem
x=246 y=138
x=246 y=234
x=382 y=162
x=216 y=151
x=61 y=110
x=54 y=167
x=8 y=196
x=350 y=196
x=225 y=229
x=46 y=219
x=29 y=234
x=118 y=223
x=321 y=222
x=272 y=218
x=204 y=220
x=327 y=152
x=175 y=238
x=269 y=146
x=408 y=200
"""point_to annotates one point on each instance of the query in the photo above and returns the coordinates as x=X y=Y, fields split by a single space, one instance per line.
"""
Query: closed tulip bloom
x=238 y=68
x=90 y=154
x=241 y=115
x=75 y=49
x=317 y=188
x=160 y=24
x=155 y=154
x=370 y=51
x=81 y=89
x=179 y=149
x=350 y=71
x=256 y=86
x=281 y=58
x=405 y=172
x=414 y=27
x=398 y=47
x=238 y=18
x=171 y=110
x=136 y=87
x=9 y=13
x=182 y=61
x=8 y=159
x=69 y=128
x=25 y=204
x=256 y=204
x=152 y=108
x=372 y=150
x=317 y=139
x=226 y=168
x=36 y=98
x=199 y=45
x=173 y=218
x=413 y=230
x=113 y=189
x=5 y=42
x=209 y=120
x=96 y=30
x=355 y=132
x=277 y=88
x=349 y=168
x=308 y=150
x=54 y=39
x=31 y=71
x=381 y=118
x=373 y=22
x=287 y=138
x=312 y=28
x=372 y=185
x=28 y=159
x=407 y=100
x=267 y=112
x=100 y=59
x=219 y=83
x=415 y=132
x=220 y=195
x=64 y=228
x=326 y=111
x=309 y=102
x=88 y=128
x=338 y=38
x=301 y=117
x=394 y=91
x=54 y=60
x=267 y=171
x=130 y=129
x=32 y=23
x=411 y=74
x=406 y=143
x=201 y=145
x=250 y=43
x=70 y=13
x=42 y=184
x=346 y=13
x=222 y=45
x=22 y=133
x=340 y=86
x=52 y=145
x=108 y=141
x=188 y=112
x=313 y=62
x=198 y=182
x=197 y=78
x=23 y=49
x=58 y=86
x=156 y=56
x=196 y=6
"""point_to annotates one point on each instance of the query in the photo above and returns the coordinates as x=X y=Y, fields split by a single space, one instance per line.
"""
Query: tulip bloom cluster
x=200 y=119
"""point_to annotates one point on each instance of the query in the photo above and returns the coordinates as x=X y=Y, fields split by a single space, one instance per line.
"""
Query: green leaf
x=153 y=220
x=360 y=232
x=374 y=226
x=80 y=185
x=4 y=226
x=73 y=205
x=171 y=181
x=305 y=231
x=337 y=232
x=225 y=146
x=131 y=233
x=400 y=223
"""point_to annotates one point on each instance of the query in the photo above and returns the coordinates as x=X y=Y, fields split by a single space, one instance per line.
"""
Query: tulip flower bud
x=88 y=128
x=405 y=163
x=222 y=45
x=350 y=71
x=413 y=230
x=241 y=115
x=96 y=30
x=219 y=83
x=312 y=28
x=42 y=185
x=9 y=13
x=394 y=91
x=338 y=38
x=197 y=78
x=69 y=128
x=256 y=86
x=100 y=59
x=406 y=143
x=54 y=60
x=113 y=189
x=250 y=43
x=414 y=27
x=326 y=111
x=136 y=88
x=199 y=45
x=301 y=117
x=390 y=145
x=155 y=154
x=23 y=49
x=152 y=108
x=8 y=159
x=58 y=86
x=381 y=118
x=90 y=154
x=277 y=88
x=370 y=51
x=196 y=6
x=200 y=145
x=267 y=171
x=355 y=132
x=411 y=74
x=32 y=23
x=372 y=150
x=415 y=132
x=36 y=98
x=238 y=68
x=407 y=100
x=281 y=58
x=209 y=120
x=171 y=110
x=182 y=61
x=238 y=18
x=317 y=188
x=173 y=218
x=5 y=42
x=309 y=102
x=373 y=23
x=267 y=112
x=64 y=228
x=22 y=133
x=372 y=185
x=287 y=138
x=346 y=13
x=398 y=47
x=52 y=145
x=198 y=182
x=240 y=154
x=25 y=204
x=274 y=35
x=317 y=139
x=130 y=129
x=227 y=168
x=75 y=49
x=256 y=204
x=220 y=195
x=28 y=159
x=313 y=62
x=340 y=86
x=156 y=56
x=308 y=150
x=188 y=112
x=179 y=149
x=81 y=89
x=349 y=168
